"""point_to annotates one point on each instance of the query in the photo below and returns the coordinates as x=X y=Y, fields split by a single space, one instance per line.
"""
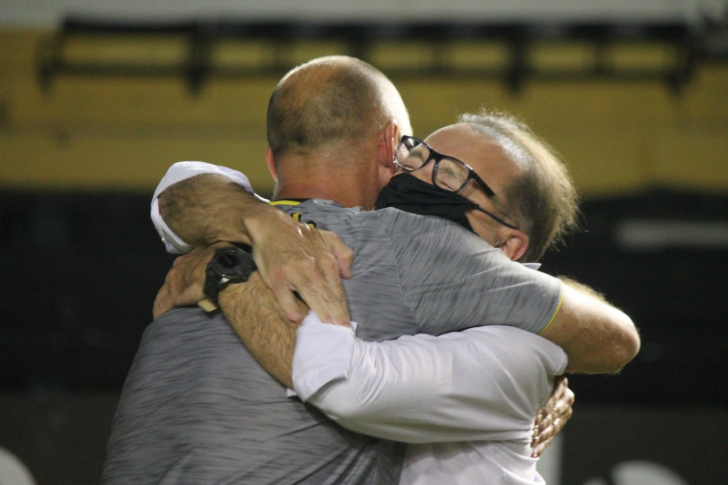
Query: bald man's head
x=328 y=102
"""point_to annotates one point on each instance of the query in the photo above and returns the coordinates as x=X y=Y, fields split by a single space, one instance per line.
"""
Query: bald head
x=328 y=102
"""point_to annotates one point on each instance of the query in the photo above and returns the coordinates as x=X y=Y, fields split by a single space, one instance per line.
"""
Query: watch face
x=235 y=264
x=228 y=260
x=229 y=265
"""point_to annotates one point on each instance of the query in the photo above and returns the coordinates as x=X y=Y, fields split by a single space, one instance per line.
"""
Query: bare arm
x=256 y=317
x=597 y=337
x=208 y=208
x=250 y=308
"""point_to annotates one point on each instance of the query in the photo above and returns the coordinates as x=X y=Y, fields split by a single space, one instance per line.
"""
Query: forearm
x=597 y=337
x=479 y=384
x=256 y=317
x=210 y=208
x=201 y=210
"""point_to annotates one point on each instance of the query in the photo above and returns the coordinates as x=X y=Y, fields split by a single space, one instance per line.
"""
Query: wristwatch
x=231 y=264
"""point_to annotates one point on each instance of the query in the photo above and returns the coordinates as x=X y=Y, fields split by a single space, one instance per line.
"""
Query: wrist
x=224 y=211
x=230 y=264
x=266 y=222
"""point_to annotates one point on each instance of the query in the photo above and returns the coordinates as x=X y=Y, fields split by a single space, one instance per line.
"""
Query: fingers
x=547 y=436
x=543 y=436
x=309 y=262
x=318 y=284
x=552 y=417
x=162 y=303
x=330 y=305
x=287 y=301
x=560 y=388
x=343 y=254
x=328 y=293
x=333 y=261
x=539 y=449
x=184 y=283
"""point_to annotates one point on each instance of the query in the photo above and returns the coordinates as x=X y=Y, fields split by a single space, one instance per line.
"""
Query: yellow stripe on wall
x=123 y=133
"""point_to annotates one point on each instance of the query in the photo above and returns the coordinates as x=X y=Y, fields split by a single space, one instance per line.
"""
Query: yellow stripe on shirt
x=561 y=300
x=284 y=202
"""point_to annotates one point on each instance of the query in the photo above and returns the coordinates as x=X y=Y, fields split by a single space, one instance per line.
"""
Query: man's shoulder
x=188 y=316
x=428 y=234
x=404 y=222
x=400 y=228
x=185 y=327
x=320 y=212
x=391 y=220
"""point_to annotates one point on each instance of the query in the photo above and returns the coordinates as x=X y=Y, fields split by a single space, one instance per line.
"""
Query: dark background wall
x=80 y=272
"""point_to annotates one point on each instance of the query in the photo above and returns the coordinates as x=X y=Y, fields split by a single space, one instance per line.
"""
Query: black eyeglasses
x=448 y=173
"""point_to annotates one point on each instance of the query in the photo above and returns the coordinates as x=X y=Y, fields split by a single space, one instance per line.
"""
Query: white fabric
x=311 y=368
x=470 y=463
x=181 y=171
x=441 y=393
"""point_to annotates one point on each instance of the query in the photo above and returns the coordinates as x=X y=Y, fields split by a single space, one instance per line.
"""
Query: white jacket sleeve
x=484 y=383
x=181 y=171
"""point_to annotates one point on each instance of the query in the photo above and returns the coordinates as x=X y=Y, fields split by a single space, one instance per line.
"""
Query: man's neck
x=347 y=191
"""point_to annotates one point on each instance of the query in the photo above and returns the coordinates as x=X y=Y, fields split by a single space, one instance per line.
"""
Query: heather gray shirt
x=197 y=408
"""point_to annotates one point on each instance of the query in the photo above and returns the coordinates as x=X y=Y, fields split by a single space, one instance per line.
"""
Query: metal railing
x=682 y=45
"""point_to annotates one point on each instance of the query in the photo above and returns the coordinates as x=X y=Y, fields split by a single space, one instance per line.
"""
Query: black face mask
x=410 y=194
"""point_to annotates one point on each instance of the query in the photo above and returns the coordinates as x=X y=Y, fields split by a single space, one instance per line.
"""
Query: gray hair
x=543 y=199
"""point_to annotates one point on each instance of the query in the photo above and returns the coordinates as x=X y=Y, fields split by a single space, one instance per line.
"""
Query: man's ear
x=388 y=142
x=271 y=163
x=514 y=243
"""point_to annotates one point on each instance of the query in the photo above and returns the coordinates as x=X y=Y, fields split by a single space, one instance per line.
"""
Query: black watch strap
x=230 y=264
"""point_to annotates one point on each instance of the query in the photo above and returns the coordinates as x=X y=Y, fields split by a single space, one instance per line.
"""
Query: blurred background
x=98 y=98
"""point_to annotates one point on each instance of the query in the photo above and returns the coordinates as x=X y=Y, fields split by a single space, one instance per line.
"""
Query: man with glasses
x=378 y=396
x=231 y=419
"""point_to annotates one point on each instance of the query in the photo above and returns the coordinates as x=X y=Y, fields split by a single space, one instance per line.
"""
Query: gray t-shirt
x=197 y=408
